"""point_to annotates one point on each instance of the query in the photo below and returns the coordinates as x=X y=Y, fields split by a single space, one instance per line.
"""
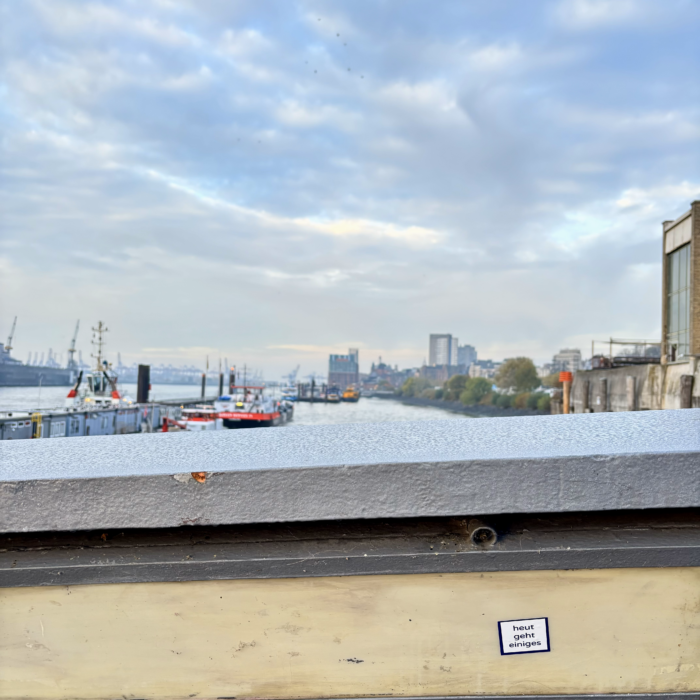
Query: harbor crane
x=8 y=344
x=71 y=349
x=292 y=376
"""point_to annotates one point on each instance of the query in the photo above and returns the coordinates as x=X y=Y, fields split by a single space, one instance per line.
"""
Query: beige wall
x=612 y=631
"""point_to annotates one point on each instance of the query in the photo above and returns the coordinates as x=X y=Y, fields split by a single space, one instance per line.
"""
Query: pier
x=83 y=422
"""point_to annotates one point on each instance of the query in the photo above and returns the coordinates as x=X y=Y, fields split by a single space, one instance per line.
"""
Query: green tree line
x=515 y=385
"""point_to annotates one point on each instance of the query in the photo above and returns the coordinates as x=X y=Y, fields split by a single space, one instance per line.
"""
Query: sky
x=272 y=181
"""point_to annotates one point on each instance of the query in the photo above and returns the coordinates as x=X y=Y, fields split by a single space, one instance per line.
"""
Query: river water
x=366 y=410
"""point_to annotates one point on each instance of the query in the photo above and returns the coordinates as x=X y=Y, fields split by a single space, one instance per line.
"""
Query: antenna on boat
x=98 y=341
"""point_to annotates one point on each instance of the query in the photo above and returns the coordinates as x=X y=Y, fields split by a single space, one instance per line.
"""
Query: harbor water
x=366 y=410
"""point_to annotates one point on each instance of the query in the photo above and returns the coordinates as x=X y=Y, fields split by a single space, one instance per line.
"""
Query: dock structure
x=120 y=419
x=538 y=556
x=311 y=392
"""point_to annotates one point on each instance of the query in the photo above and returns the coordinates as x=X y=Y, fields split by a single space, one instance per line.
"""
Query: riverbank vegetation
x=515 y=385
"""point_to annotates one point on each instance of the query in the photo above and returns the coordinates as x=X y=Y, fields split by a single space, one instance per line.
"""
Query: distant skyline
x=276 y=181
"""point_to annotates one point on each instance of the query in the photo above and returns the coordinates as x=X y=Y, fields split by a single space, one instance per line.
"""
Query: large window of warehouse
x=678 y=276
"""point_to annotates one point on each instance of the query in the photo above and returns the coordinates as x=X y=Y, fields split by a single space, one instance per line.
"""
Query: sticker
x=524 y=636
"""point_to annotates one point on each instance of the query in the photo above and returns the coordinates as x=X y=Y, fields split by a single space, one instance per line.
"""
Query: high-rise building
x=344 y=370
x=442 y=350
x=454 y=351
x=466 y=355
x=566 y=360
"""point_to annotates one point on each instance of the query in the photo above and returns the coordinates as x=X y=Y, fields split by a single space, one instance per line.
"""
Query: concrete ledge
x=429 y=469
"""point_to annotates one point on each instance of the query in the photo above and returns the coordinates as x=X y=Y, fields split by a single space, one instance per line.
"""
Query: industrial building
x=673 y=379
x=344 y=370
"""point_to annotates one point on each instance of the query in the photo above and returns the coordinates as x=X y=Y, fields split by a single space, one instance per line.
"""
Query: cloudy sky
x=271 y=181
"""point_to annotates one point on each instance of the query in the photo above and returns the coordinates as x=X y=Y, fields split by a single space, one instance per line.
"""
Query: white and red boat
x=248 y=407
x=97 y=388
x=199 y=418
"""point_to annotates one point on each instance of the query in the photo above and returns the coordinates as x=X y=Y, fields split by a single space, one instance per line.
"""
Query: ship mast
x=98 y=341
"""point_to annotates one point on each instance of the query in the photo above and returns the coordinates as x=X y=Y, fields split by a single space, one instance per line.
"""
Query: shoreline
x=478 y=411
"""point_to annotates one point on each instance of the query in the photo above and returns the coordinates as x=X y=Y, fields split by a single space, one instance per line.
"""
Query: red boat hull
x=236 y=419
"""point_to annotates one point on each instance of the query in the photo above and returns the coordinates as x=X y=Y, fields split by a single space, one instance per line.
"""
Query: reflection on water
x=366 y=410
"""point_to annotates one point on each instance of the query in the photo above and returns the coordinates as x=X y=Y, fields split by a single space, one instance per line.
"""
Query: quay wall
x=636 y=388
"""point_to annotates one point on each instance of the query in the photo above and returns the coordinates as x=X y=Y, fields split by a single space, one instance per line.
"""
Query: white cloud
x=595 y=14
x=204 y=152
x=244 y=42
x=295 y=113
x=192 y=81
x=671 y=125
x=660 y=198
x=435 y=96
x=350 y=228
x=95 y=18
x=497 y=56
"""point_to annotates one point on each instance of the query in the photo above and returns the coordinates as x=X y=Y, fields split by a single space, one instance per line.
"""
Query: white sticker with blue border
x=524 y=636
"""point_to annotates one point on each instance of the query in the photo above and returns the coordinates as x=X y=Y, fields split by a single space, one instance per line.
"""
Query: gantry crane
x=292 y=376
x=71 y=350
x=8 y=344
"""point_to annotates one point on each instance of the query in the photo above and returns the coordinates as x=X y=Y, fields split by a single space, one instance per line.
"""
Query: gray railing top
x=440 y=468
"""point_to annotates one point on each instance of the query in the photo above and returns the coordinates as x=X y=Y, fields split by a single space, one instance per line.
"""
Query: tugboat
x=351 y=394
x=248 y=407
x=333 y=394
x=98 y=387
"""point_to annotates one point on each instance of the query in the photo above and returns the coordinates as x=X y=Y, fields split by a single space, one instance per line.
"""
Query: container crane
x=8 y=344
x=292 y=376
x=71 y=349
